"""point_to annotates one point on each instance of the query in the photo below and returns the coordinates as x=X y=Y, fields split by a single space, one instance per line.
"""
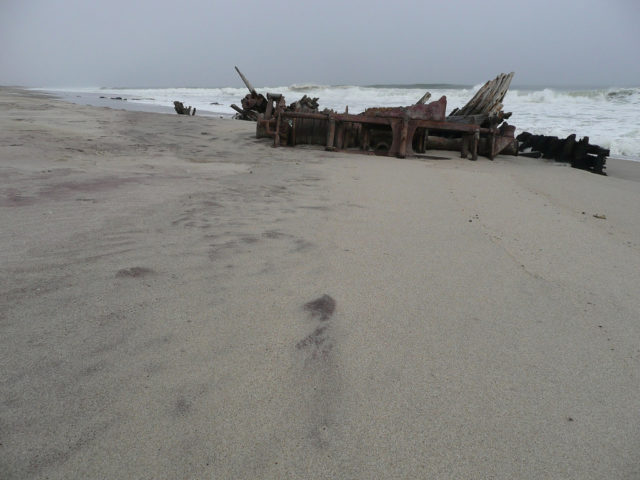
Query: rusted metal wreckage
x=477 y=128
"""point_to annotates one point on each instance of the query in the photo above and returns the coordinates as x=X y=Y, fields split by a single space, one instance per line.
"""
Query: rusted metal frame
x=496 y=141
x=276 y=138
x=403 y=129
x=269 y=111
x=293 y=131
x=453 y=127
x=492 y=135
x=379 y=120
x=366 y=138
x=340 y=127
x=402 y=147
x=331 y=132
x=413 y=125
x=492 y=145
x=421 y=140
x=464 y=149
x=294 y=116
x=477 y=119
x=335 y=135
x=470 y=140
x=344 y=134
x=266 y=124
x=392 y=121
x=500 y=142
x=475 y=140
x=318 y=116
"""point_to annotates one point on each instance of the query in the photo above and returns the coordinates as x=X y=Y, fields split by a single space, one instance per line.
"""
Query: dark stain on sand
x=321 y=373
x=63 y=189
x=273 y=234
x=14 y=198
x=321 y=308
x=182 y=407
x=301 y=245
x=316 y=338
x=93 y=369
x=318 y=343
x=58 y=453
x=134 y=272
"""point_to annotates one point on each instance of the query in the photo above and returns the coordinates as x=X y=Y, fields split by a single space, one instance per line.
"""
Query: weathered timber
x=580 y=154
x=182 y=110
x=530 y=154
x=245 y=114
x=424 y=99
x=252 y=104
x=237 y=109
x=305 y=104
x=256 y=107
x=485 y=109
x=256 y=103
x=246 y=82
x=488 y=99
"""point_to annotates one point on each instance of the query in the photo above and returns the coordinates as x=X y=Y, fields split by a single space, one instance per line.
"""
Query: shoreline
x=182 y=300
x=622 y=167
x=93 y=99
x=98 y=100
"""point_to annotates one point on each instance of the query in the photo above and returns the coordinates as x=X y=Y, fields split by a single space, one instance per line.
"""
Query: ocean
x=610 y=117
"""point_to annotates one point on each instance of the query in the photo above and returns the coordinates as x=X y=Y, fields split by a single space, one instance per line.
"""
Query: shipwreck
x=478 y=128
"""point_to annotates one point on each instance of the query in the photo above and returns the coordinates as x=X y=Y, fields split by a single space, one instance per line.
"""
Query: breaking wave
x=307 y=87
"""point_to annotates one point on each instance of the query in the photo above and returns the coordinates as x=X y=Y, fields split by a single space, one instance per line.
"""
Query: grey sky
x=197 y=42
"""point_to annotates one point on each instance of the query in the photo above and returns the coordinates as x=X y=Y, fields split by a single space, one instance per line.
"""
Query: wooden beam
x=246 y=82
x=424 y=99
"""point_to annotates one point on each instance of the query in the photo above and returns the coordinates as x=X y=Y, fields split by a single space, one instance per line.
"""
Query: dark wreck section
x=579 y=153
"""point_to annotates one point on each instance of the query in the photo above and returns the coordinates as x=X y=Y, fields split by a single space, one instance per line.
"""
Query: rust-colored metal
x=502 y=138
x=429 y=111
x=399 y=126
x=392 y=131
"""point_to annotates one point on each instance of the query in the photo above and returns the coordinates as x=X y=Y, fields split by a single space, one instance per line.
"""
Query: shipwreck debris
x=424 y=98
x=393 y=131
x=580 y=154
x=252 y=104
x=477 y=128
x=256 y=107
x=485 y=108
x=396 y=131
x=182 y=110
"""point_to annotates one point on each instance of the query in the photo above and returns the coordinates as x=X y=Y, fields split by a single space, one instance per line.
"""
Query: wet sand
x=181 y=300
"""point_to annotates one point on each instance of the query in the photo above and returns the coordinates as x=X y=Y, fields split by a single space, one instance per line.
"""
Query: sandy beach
x=180 y=300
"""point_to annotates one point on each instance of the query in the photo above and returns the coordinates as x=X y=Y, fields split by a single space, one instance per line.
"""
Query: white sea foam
x=609 y=117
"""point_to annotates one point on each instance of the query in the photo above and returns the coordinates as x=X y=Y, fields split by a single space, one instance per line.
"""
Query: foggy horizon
x=514 y=85
x=196 y=44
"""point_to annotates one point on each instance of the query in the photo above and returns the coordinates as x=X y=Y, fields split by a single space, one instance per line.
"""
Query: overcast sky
x=197 y=42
